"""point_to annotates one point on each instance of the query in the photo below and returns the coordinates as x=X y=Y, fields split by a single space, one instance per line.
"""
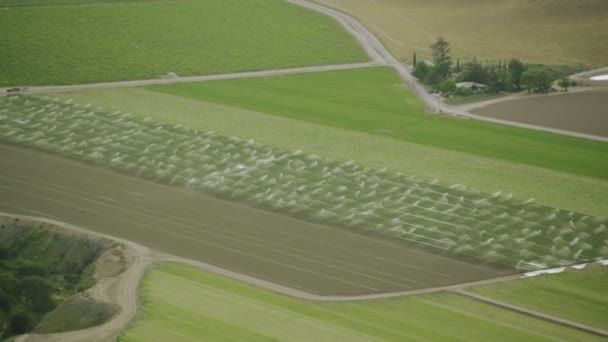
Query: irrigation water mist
x=452 y=218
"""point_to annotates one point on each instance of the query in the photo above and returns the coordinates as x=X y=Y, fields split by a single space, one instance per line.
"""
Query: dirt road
x=376 y=50
x=237 y=75
x=380 y=54
x=532 y=313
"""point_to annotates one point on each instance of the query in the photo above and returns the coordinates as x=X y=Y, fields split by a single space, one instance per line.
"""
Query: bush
x=464 y=91
x=21 y=323
x=447 y=86
x=421 y=69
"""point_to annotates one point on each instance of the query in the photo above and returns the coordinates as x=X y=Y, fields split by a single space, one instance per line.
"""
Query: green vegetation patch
x=126 y=41
x=75 y=313
x=575 y=192
x=580 y=296
x=374 y=101
x=39 y=268
x=186 y=303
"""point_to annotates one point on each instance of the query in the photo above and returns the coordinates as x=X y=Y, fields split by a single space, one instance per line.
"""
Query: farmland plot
x=485 y=228
x=105 y=40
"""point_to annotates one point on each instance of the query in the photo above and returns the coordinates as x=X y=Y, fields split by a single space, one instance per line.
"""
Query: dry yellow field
x=537 y=31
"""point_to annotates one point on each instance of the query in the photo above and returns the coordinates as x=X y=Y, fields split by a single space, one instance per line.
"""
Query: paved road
x=532 y=313
x=237 y=75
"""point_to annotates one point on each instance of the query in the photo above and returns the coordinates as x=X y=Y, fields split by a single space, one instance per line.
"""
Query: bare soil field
x=583 y=112
x=318 y=258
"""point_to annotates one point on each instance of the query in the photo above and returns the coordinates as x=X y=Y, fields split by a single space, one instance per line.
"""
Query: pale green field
x=187 y=304
x=580 y=296
x=537 y=31
x=552 y=188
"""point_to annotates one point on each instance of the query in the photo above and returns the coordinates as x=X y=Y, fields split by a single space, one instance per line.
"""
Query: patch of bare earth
x=581 y=111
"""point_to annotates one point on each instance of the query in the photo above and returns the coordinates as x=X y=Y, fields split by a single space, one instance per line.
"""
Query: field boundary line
x=532 y=313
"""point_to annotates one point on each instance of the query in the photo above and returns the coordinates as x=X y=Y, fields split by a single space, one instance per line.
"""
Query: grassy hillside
x=181 y=302
x=109 y=41
x=39 y=269
x=576 y=295
x=575 y=192
x=565 y=31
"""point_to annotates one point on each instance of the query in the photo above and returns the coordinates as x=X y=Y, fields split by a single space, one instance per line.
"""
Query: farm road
x=236 y=75
x=565 y=322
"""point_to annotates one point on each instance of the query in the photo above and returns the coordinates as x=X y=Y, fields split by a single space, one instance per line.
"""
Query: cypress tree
x=414 y=60
x=457 y=64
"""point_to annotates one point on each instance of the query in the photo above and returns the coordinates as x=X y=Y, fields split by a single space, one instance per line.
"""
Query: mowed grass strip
x=565 y=32
x=374 y=101
x=143 y=40
x=581 y=296
x=575 y=192
x=190 y=304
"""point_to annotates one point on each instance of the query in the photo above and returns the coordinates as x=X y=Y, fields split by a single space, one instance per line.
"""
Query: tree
x=474 y=72
x=516 y=69
x=414 y=60
x=564 y=83
x=447 y=86
x=538 y=80
x=457 y=64
x=421 y=69
x=21 y=322
x=432 y=78
x=441 y=51
x=442 y=69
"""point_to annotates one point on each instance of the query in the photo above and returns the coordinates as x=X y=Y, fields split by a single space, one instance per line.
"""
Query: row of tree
x=512 y=75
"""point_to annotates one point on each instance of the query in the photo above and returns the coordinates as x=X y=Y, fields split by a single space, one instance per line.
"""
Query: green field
x=480 y=227
x=374 y=101
x=180 y=302
x=575 y=192
x=564 y=32
x=108 y=41
x=580 y=296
